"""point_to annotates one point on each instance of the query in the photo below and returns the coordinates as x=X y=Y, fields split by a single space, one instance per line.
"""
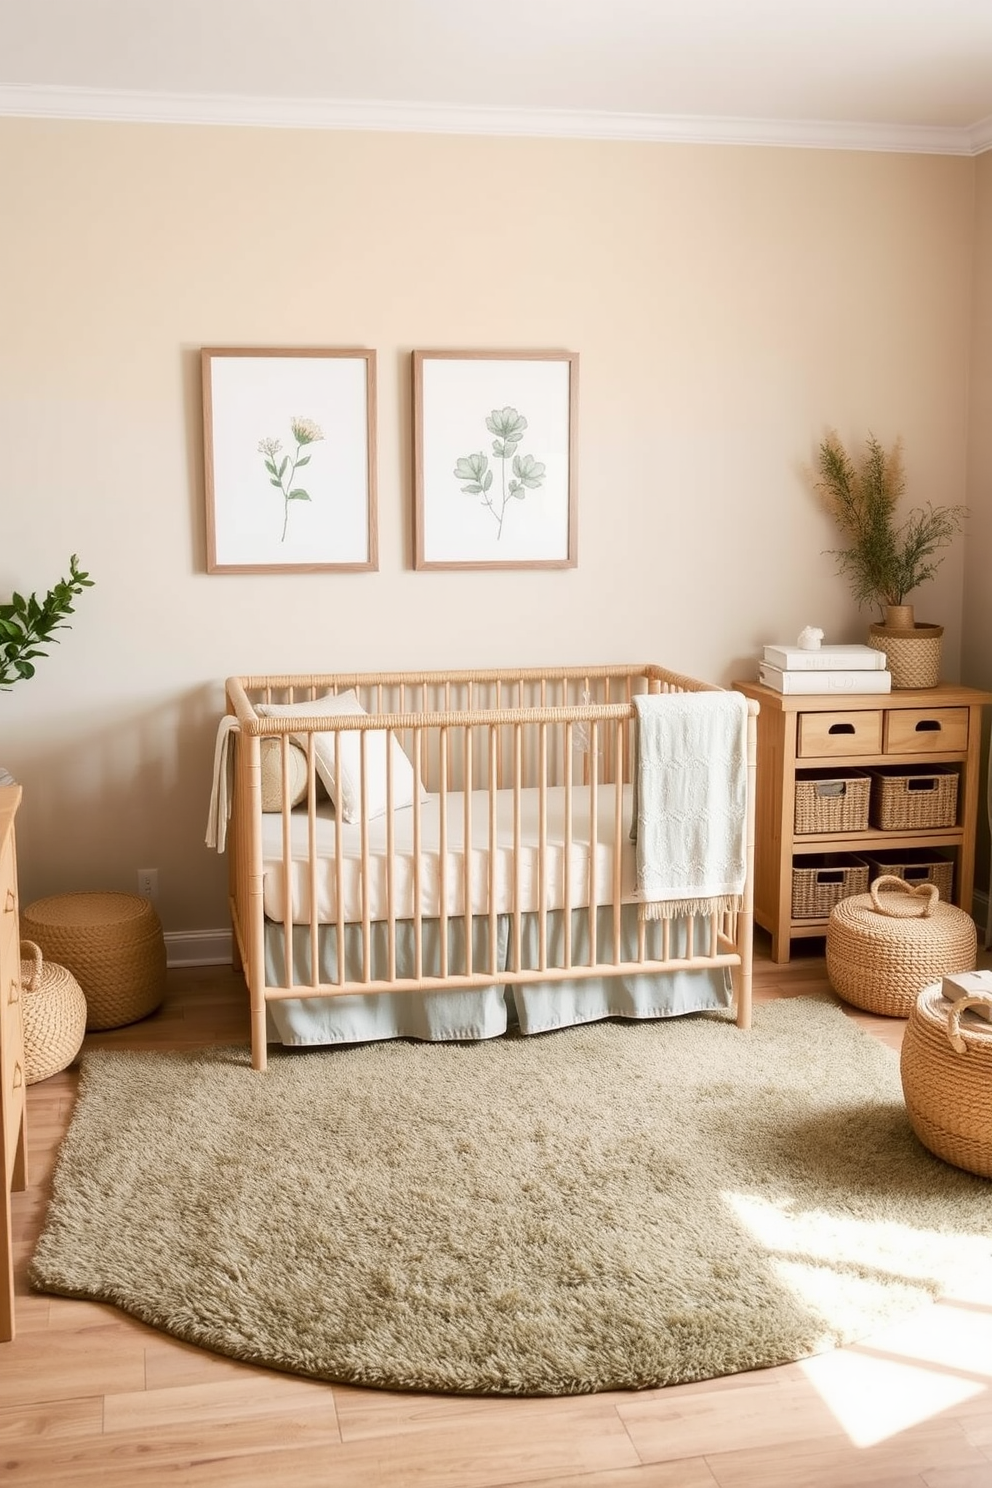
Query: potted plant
x=887 y=559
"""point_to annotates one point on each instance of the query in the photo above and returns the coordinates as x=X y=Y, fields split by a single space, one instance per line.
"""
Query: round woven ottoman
x=54 y=1015
x=885 y=946
x=113 y=945
x=946 y=1068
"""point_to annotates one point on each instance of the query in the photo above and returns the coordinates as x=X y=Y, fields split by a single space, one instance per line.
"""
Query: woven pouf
x=885 y=946
x=946 y=1068
x=113 y=945
x=54 y=1015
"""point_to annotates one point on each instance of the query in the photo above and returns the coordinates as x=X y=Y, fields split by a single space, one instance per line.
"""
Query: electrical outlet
x=148 y=884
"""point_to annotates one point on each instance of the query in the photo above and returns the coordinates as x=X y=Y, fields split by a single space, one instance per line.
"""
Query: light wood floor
x=89 y=1396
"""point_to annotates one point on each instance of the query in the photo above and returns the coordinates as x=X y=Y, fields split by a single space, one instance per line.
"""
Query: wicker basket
x=54 y=1015
x=906 y=798
x=915 y=865
x=113 y=945
x=946 y=1068
x=821 y=880
x=883 y=948
x=913 y=655
x=832 y=801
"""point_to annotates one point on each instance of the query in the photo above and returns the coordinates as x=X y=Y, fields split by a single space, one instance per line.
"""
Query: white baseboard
x=198 y=947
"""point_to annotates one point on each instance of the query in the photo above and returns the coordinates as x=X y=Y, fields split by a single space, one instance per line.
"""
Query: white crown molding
x=121 y=106
x=981 y=136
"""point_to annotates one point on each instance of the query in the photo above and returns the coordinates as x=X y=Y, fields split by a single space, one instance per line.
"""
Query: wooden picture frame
x=495 y=459
x=267 y=414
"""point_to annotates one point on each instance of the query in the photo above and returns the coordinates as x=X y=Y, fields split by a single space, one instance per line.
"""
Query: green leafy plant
x=27 y=625
x=528 y=474
x=305 y=432
x=885 y=560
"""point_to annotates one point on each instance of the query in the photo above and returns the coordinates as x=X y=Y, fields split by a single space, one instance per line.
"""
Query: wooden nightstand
x=799 y=731
x=13 y=1138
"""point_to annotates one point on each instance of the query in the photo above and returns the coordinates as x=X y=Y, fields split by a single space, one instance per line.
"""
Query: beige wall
x=728 y=304
x=976 y=648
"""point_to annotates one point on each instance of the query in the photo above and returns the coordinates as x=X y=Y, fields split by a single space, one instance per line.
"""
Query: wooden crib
x=478 y=844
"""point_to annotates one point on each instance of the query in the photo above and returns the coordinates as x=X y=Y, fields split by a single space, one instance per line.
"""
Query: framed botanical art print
x=494 y=456
x=289 y=453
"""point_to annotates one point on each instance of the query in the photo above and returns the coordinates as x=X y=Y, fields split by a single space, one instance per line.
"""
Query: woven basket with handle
x=946 y=1068
x=885 y=946
x=54 y=1014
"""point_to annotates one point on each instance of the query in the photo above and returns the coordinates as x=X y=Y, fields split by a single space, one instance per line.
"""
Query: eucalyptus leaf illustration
x=305 y=432
x=509 y=426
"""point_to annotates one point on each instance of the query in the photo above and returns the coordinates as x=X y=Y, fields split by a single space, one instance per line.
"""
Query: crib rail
x=538 y=737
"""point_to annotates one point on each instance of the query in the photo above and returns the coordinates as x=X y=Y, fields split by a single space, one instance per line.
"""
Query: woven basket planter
x=54 y=1015
x=884 y=947
x=913 y=655
x=113 y=945
x=946 y=1068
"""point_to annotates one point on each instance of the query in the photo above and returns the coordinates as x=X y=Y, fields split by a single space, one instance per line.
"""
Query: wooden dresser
x=13 y=1139
x=819 y=733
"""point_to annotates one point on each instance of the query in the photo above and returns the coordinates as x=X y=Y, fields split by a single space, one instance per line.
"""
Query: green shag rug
x=609 y=1207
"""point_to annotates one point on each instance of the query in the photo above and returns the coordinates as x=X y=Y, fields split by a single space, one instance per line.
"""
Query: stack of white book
x=825 y=669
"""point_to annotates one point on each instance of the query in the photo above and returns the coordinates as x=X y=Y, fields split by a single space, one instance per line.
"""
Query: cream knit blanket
x=690 y=802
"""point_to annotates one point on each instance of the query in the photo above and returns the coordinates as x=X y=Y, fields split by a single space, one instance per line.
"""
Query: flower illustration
x=528 y=474
x=305 y=432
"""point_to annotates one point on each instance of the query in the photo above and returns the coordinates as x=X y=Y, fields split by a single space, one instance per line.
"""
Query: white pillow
x=347 y=794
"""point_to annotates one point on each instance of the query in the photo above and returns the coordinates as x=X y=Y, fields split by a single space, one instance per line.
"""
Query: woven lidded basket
x=54 y=1014
x=946 y=1068
x=113 y=945
x=884 y=947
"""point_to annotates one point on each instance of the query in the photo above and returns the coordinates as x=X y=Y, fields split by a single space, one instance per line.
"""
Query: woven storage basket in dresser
x=113 y=945
x=946 y=1068
x=885 y=946
x=53 y=1011
x=906 y=798
x=832 y=801
x=820 y=880
x=916 y=865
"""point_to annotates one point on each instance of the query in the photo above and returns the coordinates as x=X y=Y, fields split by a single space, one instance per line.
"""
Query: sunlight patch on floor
x=928 y=1357
x=876 y=1398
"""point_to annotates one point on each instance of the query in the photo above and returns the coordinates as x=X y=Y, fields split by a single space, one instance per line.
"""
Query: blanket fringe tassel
x=674 y=909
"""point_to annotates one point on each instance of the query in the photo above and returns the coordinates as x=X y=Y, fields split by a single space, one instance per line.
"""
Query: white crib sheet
x=482 y=886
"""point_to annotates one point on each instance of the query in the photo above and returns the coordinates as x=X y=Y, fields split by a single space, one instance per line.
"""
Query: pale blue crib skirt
x=488 y=1011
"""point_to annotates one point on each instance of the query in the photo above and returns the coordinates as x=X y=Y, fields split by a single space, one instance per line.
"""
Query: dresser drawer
x=11 y=1065
x=824 y=734
x=926 y=731
x=8 y=879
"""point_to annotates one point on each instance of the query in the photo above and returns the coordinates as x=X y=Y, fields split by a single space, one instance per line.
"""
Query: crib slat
x=390 y=861
x=442 y=866
x=467 y=853
x=542 y=848
x=593 y=839
x=494 y=747
x=418 y=924
x=617 y=842
x=567 y=864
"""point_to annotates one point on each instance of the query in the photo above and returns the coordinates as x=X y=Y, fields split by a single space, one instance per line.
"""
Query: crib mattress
x=493 y=880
